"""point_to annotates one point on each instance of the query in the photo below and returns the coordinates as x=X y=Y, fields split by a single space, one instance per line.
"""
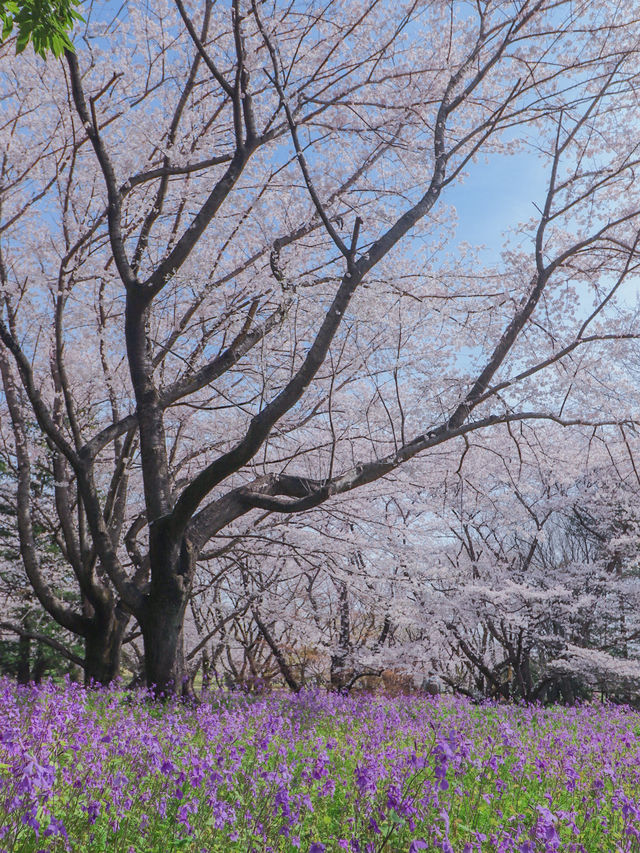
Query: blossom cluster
x=113 y=770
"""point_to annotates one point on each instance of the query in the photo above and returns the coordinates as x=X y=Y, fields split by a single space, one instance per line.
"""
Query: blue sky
x=496 y=196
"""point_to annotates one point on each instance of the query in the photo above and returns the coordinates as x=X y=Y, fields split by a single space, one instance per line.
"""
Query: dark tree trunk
x=567 y=692
x=24 y=660
x=103 y=647
x=340 y=674
x=162 y=615
x=40 y=666
x=162 y=630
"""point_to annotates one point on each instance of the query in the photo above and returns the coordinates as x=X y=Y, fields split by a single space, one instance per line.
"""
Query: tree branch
x=43 y=638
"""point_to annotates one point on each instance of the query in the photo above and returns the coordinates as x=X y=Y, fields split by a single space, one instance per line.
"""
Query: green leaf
x=22 y=41
x=45 y=24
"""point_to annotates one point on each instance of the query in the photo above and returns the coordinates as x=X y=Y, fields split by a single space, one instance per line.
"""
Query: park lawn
x=111 y=770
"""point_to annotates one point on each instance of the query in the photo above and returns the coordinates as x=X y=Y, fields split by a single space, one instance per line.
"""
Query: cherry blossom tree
x=227 y=278
x=22 y=615
x=540 y=573
x=306 y=598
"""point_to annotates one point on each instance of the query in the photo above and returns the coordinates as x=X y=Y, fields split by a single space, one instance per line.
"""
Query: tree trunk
x=24 y=660
x=161 y=616
x=206 y=669
x=341 y=674
x=162 y=630
x=40 y=666
x=103 y=647
x=284 y=667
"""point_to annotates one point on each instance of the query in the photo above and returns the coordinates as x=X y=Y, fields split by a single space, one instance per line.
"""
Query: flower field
x=112 y=771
